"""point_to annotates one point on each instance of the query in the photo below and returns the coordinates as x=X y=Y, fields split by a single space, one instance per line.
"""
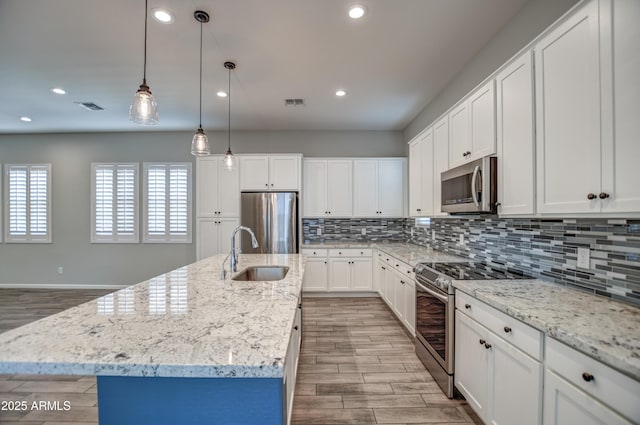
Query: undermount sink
x=262 y=273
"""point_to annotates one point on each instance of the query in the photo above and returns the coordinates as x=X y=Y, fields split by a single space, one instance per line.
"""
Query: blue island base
x=189 y=401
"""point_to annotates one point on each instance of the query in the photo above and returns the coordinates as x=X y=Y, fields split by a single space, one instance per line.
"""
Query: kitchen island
x=183 y=347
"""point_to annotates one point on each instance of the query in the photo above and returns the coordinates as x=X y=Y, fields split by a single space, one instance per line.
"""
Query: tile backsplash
x=542 y=248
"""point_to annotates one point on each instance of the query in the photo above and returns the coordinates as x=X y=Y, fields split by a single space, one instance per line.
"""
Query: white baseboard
x=59 y=286
x=359 y=294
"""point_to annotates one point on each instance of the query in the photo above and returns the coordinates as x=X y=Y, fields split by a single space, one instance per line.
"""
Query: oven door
x=434 y=324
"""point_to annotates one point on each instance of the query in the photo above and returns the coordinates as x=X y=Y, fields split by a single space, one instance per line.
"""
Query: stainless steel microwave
x=471 y=188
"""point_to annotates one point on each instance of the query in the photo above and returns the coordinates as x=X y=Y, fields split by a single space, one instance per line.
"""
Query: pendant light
x=229 y=159
x=144 y=109
x=200 y=142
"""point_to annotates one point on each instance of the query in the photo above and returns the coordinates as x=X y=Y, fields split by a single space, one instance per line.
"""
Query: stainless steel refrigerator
x=273 y=217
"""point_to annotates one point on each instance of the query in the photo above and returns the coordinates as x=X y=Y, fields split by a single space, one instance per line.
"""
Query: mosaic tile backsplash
x=541 y=248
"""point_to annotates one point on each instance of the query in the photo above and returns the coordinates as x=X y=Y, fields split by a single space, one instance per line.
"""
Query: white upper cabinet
x=217 y=190
x=472 y=127
x=327 y=188
x=270 y=172
x=421 y=175
x=214 y=236
x=620 y=171
x=441 y=161
x=515 y=137
x=570 y=115
x=379 y=187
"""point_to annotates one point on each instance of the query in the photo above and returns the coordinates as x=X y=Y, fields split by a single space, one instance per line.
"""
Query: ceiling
x=391 y=62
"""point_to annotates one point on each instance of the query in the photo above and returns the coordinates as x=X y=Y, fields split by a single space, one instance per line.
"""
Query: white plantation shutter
x=114 y=203
x=28 y=203
x=167 y=202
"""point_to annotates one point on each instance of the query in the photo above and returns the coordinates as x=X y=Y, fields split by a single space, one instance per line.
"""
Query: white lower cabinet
x=501 y=382
x=291 y=361
x=214 y=236
x=581 y=390
x=316 y=270
x=350 y=273
x=398 y=289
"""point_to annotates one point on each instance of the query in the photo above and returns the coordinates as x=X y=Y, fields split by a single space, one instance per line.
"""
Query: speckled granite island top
x=606 y=330
x=185 y=323
x=408 y=253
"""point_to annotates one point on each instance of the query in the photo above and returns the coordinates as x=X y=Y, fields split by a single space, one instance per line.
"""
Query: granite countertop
x=408 y=253
x=604 y=329
x=185 y=323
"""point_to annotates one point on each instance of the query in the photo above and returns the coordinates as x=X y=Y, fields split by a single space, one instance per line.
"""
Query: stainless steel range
x=435 y=308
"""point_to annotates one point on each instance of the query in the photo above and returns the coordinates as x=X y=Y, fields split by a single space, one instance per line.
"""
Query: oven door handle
x=441 y=297
x=474 y=195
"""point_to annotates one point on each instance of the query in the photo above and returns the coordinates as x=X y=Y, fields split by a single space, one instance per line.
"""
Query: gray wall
x=531 y=20
x=120 y=264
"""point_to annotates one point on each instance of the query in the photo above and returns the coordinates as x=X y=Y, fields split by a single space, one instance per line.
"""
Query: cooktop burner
x=471 y=270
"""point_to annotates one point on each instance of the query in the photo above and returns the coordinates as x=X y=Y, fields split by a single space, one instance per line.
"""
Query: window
x=114 y=203
x=27 y=193
x=167 y=199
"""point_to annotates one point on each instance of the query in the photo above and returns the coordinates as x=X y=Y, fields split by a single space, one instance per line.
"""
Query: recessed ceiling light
x=357 y=11
x=25 y=119
x=163 y=15
x=340 y=93
x=58 y=90
x=222 y=93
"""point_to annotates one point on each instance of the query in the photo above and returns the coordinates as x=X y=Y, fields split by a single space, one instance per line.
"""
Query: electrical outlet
x=584 y=255
x=461 y=239
x=319 y=232
x=363 y=231
x=60 y=270
x=433 y=235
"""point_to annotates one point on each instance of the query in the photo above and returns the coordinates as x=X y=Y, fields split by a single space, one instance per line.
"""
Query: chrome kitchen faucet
x=233 y=254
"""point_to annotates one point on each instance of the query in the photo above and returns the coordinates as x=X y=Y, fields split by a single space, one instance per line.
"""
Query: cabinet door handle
x=587 y=377
x=591 y=196
x=418 y=209
x=402 y=281
x=271 y=184
x=383 y=268
x=340 y=253
x=507 y=329
x=482 y=341
x=314 y=253
x=295 y=327
x=266 y=184
x=361 y=253
x=325 y=262
x=467 y=306
x=603 y=195
x=487 y=345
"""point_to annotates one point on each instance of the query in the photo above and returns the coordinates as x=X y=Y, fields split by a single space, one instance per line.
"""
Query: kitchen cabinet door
x=389 y=295
x=472 y=363
x=284 y=172
x=515 y=138
x=410 y=305
x=515 y=392
x=378 y=276
x=421 y=172
x=339 y=188
x=441 y=161
x=398 y=296
x=207 y=187
x=459 y=135
x=361 y=274
x=568 y=115
x=339 y=274
x=214 y=236
x=415 y=178
x=228 y=191
x=365 y=188
x=315 y=274
x=254 y=172
x=620 y=173
x=226 y=227
x=482 y=117
x=391 y=187
x=565 y=404
x=314 y=188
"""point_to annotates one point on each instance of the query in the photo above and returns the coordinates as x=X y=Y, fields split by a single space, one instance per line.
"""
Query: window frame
x=115 y=237
x=28 y=238
x=167 y=237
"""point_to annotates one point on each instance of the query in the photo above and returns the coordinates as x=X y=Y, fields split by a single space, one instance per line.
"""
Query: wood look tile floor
x=357 y=366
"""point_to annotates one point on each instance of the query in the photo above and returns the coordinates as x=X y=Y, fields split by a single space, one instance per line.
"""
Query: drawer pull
x=482 y=341
x=487 y=345
x=507 y=329
x=402 y=281
x=467 y=306
x=361 y=252
x=587 y=377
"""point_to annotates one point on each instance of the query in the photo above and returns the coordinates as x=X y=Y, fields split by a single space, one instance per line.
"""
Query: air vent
x=294 y=102
x=90 y=106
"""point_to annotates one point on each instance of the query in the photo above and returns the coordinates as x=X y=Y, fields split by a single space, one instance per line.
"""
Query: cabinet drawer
x=350 y=252
x=611 y=387
x=521 y=335
x=314 y=252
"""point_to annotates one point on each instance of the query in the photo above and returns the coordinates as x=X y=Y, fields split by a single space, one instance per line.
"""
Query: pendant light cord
x=200 y=75
x=229 y=96
x=144 y=72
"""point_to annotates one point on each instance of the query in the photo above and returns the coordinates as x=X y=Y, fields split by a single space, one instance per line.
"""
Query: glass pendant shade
x=200 y=144
x=144 y=109
x=229 y=161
